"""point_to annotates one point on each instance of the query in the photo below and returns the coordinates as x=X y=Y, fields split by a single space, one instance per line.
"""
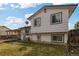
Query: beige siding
x=34 y=37
x=3 y=30
x=65 y=37
x=22 y=34
x=45 y=22
x=47 y=38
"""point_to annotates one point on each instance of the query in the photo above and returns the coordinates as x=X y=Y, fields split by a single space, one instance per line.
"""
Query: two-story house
x=50 y=23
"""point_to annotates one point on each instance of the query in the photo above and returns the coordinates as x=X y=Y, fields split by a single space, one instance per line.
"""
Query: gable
x=70 y=8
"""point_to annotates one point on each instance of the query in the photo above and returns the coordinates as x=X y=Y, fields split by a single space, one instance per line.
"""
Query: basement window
x=57 y=37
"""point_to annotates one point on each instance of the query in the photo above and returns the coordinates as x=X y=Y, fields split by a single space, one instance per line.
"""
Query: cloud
x=18 y=5
x=25 y=5
x=14 y=6
x=28 y=15
x=2 y=6
x=39 y=1
x=33 y=3
x=14 y=20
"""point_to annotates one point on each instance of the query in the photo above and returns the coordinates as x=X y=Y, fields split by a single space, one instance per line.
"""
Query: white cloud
x=18 y=5
x=14 y=20
x=32 y=3
x=1 y=6
x=25 y=5
x=14 y=6
x=39 y=1
x=28 y=15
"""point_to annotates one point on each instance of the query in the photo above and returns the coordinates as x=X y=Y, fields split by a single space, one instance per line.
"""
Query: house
x=50 y=23
x=19 y=33
x=25 y=33
x=3 y=30
x=13 y=34
x=3 y=34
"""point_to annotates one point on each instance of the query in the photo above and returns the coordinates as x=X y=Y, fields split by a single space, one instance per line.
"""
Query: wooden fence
x=73 y=42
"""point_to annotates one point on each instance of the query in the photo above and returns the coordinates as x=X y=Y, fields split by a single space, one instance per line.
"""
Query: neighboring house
x=25 y=33
x=13 y=34
x=3 y=33
x=50 y=23
x=20 y=33
x=3 y=30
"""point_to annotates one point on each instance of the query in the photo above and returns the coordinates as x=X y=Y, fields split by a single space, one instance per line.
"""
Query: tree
x=77 y=25
x=27 y=22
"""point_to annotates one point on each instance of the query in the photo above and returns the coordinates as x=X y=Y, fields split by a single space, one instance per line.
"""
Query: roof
x=67 y=6
x=5 y=27
x=25 y=27
x=19 y=28
x=13 y=30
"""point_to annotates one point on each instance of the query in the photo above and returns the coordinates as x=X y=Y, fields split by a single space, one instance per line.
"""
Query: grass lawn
x=30 y=49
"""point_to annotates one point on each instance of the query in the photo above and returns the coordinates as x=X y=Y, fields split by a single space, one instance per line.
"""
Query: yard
x=30 y=49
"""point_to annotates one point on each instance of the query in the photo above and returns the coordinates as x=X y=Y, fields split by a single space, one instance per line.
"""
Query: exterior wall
x=65 y=38
x=22 y=34
x=45 y=22
x=25 y=33
x=13 y=32
x=47 y=38
x=3 y=30
x=34 y=37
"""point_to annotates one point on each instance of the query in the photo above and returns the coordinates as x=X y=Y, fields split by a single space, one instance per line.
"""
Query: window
x=56 y=18
x=39 y=37
x=37 y=22
x=57 y=38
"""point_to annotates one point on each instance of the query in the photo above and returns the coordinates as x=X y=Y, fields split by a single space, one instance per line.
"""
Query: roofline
x=73 y=10
x=5 y=27
x=25 y=27
x=36 y=12
x=53 y=6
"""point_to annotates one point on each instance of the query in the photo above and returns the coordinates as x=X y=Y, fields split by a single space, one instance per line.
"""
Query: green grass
x=30 y=49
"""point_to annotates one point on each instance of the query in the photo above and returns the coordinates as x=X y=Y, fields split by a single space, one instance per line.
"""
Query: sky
x=14 y=13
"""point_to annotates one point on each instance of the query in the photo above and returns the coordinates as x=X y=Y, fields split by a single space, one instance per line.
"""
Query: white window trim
x=36 y=20
x=55 y=22
x=57 y=35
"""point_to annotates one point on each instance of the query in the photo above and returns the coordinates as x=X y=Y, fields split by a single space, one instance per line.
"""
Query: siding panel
x=45 y=22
